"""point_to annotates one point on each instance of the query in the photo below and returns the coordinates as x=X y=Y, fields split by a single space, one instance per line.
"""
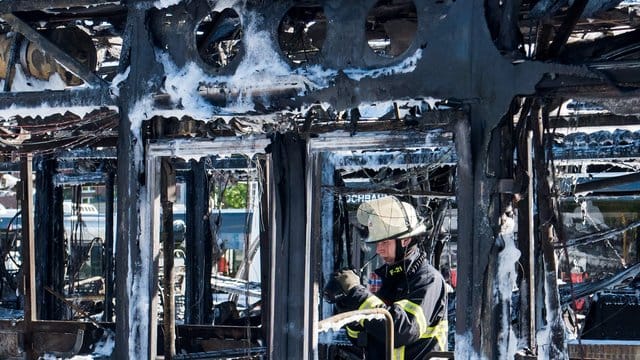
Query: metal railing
x=337 y=321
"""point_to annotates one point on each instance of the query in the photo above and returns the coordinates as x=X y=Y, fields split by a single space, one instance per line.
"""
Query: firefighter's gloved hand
x=339 y=285
x=347 y=278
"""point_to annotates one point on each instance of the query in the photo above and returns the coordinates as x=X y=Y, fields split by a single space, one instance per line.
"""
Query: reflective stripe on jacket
x=415 y=294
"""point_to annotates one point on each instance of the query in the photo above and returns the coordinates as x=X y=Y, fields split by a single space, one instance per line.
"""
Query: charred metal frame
x=49 y=241
x=65 y=59
x=159 y=173
x=291 y=273
x=28 y=254
x=331 y=151
x=459 y=50
x=199 y=246
x=167 y=199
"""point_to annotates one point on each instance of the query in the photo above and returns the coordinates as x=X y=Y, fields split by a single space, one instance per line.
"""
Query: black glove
x=340 y=284
x=347 y=278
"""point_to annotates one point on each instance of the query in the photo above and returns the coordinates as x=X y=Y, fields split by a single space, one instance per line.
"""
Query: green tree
x=235 y=197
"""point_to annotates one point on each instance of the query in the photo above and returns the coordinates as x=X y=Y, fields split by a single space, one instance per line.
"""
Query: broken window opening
x=370 y=166
x=10 y=244
x=391 y=27
x=302 y=32
x=85 y=228
x=70 y=235
x=219 y=38
x=70 y=277
x=215 y=217
x=599 y=34
x=589 y=161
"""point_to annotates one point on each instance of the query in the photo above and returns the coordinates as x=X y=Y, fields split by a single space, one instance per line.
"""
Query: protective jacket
x=414 y=292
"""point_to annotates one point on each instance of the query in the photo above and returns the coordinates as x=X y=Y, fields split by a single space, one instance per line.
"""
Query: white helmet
x=389 y=218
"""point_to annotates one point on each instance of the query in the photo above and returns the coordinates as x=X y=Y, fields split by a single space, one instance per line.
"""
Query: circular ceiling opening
x=302 y=32
x=218 y=37
x=391 y=27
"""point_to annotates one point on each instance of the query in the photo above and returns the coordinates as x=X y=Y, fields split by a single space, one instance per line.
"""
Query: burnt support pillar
x=321 y=255
x=327 y=240
x=532 y=247
x=49 y=230
x=108 y=264
x=199 y=247
x=526 y=235
x=479 y=246
x=136 y=287
x=290 y=269
x=548 y=307
x=504 y=253
x=265 y=246
x=28 y=253
x=167 y=198
x=464 y=194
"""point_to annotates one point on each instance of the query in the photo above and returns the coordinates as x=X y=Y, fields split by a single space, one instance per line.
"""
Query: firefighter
x=412 y=290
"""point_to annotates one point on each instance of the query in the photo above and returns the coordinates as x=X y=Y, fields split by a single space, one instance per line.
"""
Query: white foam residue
x=22 y=82
x=327 y=202
x=327 y=107
x=544 y=336
x=379 y=109
x=406 y=66
x=432 y=102
x=227 y=4
x=105 y=346
x=142 y=303
x=260 y=71
x=182 y=86
x=316 y=76
x=77 y=357
x=375 y=110
x=119 y=78
x=137 y=280
x=161 y=4
x=140 y=111
x=542 y=340
x=261 y=66
x=184 y=149
x=464 y=348
x=253 y=75
x=506 y=283
x=137 y=277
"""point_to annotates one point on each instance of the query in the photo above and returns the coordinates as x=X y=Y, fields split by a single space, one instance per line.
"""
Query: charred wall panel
x=290 y=334
x=50 y=241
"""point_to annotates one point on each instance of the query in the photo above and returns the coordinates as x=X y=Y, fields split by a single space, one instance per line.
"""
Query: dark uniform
x=415 y=294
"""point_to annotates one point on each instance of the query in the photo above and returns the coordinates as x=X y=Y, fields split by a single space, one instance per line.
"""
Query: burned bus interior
x=179 y=179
